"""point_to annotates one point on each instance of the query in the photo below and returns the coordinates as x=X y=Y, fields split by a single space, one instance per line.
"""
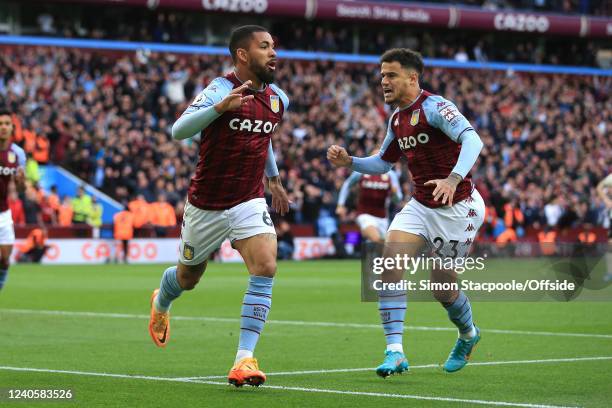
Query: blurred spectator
x=141 y=210
x=95 y=217
x=65 y=213
x=32 y=171
x=31 y=208
x=45 y=23
x=162 y=215
x=81 y=206
x=123 y=222
x=34 y=246
x=47 y=213
x=54 y=201
x=284 y=238
x=16 y=207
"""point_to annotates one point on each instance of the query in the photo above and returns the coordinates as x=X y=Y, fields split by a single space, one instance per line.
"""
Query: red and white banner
x=99 y=251
x=304 y=248
x=161 y=250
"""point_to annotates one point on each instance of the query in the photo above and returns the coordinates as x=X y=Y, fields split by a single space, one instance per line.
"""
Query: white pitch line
x=285 y=388
x=483 y=363
x=296 y=323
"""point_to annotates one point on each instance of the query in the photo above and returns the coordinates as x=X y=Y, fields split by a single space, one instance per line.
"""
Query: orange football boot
x=246 y=371
x=159 y=324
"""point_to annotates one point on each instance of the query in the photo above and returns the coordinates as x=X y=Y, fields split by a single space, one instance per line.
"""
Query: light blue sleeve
x=344 y=190
x=471 y=145
x=444 y=115
x=21 y=156
x=201 y=112
x=396 y=185
x=381 y=162
x=283 y=96
x=271 y=168
x=371 y=165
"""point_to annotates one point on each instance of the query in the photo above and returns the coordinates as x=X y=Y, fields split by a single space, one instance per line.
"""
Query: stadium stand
x=107 y=118
x=187 y=27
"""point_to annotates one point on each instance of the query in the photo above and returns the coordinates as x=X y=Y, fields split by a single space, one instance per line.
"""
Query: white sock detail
x=243 y=354
x=469 y=335
x=395 y=347
x=158 y=307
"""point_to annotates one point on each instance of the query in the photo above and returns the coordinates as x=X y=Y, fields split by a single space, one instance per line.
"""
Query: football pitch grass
x=84 y=328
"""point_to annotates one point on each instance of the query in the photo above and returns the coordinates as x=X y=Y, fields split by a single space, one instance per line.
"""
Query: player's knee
x=5 y=263
x=265 y=268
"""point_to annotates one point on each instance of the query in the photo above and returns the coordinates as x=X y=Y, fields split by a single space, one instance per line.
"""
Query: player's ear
x=242 y=55
x=414 y=77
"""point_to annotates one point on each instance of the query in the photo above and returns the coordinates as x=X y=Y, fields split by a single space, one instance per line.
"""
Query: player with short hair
x=12 y=168
x=445 y=211
x=236 y=116
x=374 y=190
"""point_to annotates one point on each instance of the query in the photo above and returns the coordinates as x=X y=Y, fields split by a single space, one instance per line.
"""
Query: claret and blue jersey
x=234 y=147
x=429 y=133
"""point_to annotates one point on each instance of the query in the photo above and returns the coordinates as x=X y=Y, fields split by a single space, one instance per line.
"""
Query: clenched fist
x=338 y=156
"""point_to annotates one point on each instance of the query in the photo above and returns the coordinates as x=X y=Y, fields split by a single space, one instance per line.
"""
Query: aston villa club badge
x=11 y=157
x=415 y=117
x=188 y=251
x=275 y=103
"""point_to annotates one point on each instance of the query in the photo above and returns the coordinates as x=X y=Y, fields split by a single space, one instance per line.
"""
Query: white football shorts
x=366 y=220
x=449 y=230
x=7 y=230
x=204 y=231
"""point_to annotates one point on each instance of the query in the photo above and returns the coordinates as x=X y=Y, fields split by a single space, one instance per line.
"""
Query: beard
x=262 y=73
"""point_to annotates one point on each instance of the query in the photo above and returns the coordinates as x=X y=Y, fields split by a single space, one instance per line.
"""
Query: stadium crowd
x=107 y=118
x=193 y=28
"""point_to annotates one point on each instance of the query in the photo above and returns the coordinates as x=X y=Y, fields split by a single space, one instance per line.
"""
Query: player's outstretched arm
x=344 y=192
x=338 y=156
x=374 y=164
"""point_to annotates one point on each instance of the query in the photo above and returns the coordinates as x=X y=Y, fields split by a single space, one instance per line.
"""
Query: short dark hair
x=406 y=57
x=241 y=36
x=4 y=111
